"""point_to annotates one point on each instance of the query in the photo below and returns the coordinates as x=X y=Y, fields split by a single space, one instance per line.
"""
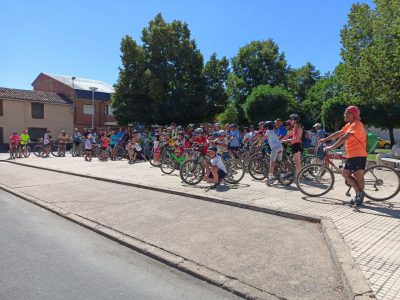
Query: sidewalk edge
x=354 y=282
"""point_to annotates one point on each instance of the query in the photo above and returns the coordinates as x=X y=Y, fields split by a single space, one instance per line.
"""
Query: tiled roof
x=35 y=96
x=84 y=84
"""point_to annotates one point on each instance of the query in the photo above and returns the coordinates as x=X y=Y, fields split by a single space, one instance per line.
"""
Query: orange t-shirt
x=356 y=144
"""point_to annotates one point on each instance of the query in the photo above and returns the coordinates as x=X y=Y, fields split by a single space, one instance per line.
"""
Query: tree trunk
x=391 y=134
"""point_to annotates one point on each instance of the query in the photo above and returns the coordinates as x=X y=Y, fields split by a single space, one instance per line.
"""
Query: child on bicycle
x=222 y=144
x=14 y=144
x=114 y=140
x=275 y=145
x=25 y=140
x=215 y=170
x=104 y=145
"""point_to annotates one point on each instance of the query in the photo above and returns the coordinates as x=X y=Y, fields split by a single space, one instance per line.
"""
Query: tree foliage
x=165 y=79
x=371 y=55
x=216 y=73
x=301 y=80
x=267 y=103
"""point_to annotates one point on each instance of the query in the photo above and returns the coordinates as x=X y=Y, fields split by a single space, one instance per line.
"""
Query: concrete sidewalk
x=372 y=234
x=277 y=257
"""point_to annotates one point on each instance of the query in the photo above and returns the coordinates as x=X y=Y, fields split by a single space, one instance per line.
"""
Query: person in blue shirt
x=114 y=140
x=281 y=131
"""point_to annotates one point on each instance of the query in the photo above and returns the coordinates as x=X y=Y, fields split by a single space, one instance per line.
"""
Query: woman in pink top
x=14 y=142
x=295 y=140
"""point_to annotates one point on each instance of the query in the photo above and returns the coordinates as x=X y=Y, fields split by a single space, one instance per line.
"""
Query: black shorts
x=355 y=164
x=298 y=147
x=112 y=146
x=104 y=148
x=221 y=175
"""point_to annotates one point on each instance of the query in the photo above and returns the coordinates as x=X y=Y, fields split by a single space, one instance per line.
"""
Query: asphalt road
x=43 y=256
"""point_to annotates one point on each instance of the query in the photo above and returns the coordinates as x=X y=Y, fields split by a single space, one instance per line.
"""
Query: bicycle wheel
x=26 y=151
x=235 y=170
x=153 y=162
x=120 y=152
x=286 y=172
x=381 y=182
x=167 y=165
x=317 y=185
x=55 y=150
x=245 y=158
x=38 y=150
x=258 y=168
x=191 y=172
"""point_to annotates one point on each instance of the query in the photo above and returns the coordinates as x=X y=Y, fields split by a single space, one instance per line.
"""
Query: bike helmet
x=269 y=124
x=221 y=132
x=199 y=130
x=212 y=148
x=294 y=117
x=234 y=125
x=261 y=123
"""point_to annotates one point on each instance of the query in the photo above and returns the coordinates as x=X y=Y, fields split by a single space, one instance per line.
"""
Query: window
x=37 y=110
x=36 y=133
x=89 y=110
x=1 y=108
x=108 y=110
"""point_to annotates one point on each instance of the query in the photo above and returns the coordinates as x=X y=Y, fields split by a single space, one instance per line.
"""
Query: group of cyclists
x=217 y=141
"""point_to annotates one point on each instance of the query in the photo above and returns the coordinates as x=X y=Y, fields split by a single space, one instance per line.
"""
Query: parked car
x=384 y=144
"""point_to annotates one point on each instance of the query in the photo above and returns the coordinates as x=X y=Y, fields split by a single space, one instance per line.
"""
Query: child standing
x=104 y=145
x=88 y=146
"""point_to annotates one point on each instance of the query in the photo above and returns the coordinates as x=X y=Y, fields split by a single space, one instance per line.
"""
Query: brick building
x=78 y=90
x=35 y=111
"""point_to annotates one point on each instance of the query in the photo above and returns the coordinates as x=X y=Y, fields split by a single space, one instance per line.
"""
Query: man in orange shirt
x=354 y=138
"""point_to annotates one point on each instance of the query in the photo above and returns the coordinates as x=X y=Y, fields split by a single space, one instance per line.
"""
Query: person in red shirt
x=104 y=145
x=14 y=142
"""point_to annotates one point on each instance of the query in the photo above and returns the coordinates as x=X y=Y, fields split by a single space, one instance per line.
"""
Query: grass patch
x=372 y=157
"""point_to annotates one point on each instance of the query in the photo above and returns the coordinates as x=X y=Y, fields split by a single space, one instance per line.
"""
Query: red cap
x=355 y=111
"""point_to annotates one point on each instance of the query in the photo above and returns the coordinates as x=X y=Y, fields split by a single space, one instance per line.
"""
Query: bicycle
x=26 y=150
x=192 y=171
x=381 y=182
x=169 y=161
x=76 y=149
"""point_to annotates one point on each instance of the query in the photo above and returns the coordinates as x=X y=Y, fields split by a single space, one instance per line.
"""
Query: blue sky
x=82 y=38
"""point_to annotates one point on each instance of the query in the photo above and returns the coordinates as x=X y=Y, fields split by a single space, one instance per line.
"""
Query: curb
x=353 y=280
x=355 y=284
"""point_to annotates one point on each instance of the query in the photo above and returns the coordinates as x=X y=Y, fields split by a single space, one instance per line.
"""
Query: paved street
x=283 y=257
x=44 y=256
x=373 y=235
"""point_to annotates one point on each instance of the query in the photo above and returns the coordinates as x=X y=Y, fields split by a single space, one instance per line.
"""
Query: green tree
x=130 y=100
x=301 y=80
x=229 y=115
x=176 y=83
x=267 y=103
x=216 y=73
x=162 y=80
x=371 y=55
x=258 y=63
x=325 y=88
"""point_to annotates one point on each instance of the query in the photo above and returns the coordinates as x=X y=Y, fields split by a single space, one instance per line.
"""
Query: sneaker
x=271 y=180
x=353 y=201
x=215 y=185
x=360 y=199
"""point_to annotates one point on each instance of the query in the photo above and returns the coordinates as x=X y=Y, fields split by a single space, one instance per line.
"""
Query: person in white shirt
x=216 y=171
x=275 y=145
